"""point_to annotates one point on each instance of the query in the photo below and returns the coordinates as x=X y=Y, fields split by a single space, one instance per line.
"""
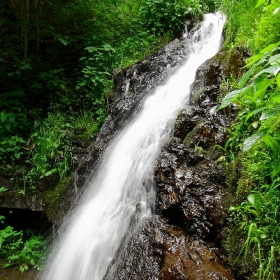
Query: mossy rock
x=52 y=198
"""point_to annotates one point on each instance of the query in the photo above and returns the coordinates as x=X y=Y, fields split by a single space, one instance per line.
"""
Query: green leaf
x=270 y=48
x=272 y=143
x=7 y=126
x=254 y=212
x=246 y=76
x=253 y=59
x=3 y=116
x=48 y=173
x=262 y=86
x=107 y=47
x=12 y=119
x=251 y=198
x=253 y=139
x=232 y=208
x=276 y=98
x=252 y=113
x=233 y=96
x=7 y=265
x=278 y=80
x=274 y=59
x=270 y=70
x=270 y=113
x=260 y=2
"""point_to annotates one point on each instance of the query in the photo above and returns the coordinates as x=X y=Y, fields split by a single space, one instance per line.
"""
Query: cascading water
x=123 y=180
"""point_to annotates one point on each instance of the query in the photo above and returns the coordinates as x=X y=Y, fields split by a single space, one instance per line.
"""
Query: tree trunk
x=21 y=9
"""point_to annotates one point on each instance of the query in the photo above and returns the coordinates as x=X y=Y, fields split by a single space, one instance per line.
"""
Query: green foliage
x=267 y=29
x=97 y=69
x=21 y=249
x=12 y=148
x=241 y=20
x=259 y=102
x=161 y=16
x=137 y=47
x=259 y=215
x=49 y=149
x=13 y=114
x=257 y=130
x=251 y=23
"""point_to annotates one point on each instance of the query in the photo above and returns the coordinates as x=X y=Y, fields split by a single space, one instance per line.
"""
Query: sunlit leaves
x=273 y=70
x=278 y=80
x=246 y=76
x=234 y=95
x=260 y=2
x=261 y=88
x=252 y=140
x=267 y=114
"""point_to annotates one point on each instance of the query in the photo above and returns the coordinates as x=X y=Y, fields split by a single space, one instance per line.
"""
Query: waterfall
x=124 y=179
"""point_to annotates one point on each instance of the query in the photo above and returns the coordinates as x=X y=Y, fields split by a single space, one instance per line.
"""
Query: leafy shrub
x=242 y=18
x=161 y=16
x=21 y=249
x=49 y=149
x=97 y=70
x=11 y=148
x=259 y=213
x=13 y=114
x=268 y=27
x=137 y=47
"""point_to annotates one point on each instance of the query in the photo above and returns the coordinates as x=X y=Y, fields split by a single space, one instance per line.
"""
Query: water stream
x=124 y=178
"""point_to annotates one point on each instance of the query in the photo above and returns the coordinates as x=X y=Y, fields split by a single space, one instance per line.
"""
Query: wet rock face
x=189 y=176
x=160 y=251
x=135 y=83
x=189 y=188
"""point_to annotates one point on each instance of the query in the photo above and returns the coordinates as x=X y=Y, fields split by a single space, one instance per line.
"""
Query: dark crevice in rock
x=23 y=219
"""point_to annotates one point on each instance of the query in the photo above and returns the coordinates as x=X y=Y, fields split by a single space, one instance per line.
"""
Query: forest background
x=57 y=60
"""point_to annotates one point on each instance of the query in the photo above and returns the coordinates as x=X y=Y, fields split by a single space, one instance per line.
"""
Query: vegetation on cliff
x=253 y=147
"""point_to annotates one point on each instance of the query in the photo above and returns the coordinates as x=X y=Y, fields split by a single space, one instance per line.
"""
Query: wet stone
x=159 y=251
x=190 y=182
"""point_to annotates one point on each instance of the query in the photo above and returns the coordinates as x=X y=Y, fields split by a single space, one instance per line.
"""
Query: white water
x=101 y=221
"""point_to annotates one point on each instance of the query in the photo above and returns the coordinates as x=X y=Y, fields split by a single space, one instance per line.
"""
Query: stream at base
x=124 y=178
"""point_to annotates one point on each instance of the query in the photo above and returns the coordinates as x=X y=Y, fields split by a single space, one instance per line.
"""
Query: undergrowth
x=253 y=241
x=21 y=248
